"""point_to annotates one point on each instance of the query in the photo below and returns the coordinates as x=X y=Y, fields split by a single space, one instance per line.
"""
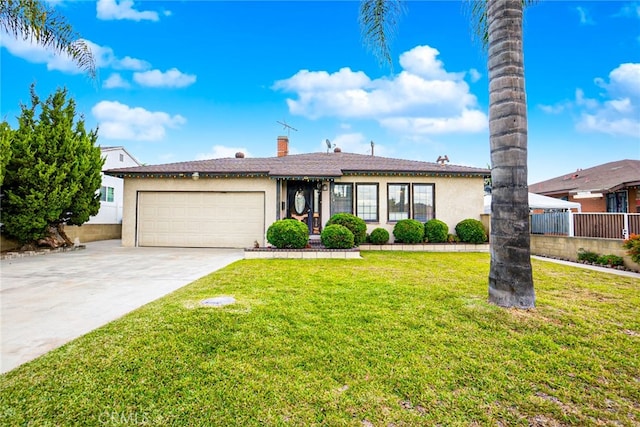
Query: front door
x=303 y=203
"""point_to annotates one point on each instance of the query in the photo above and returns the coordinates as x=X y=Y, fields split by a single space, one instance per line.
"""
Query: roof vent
x=337 y=150
x=239 y=155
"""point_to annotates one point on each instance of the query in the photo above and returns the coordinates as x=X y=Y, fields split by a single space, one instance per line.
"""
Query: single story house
x=231 y=202
x=112 y=188
x=610 y=187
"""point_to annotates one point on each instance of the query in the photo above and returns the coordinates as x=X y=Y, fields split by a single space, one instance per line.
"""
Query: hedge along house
x=231 y=202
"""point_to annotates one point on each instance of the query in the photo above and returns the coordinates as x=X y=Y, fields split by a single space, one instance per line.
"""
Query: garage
x=200 y=219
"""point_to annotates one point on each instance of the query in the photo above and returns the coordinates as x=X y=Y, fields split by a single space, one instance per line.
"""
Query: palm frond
x=378 y=24
x=33 y=20
x=477 y=10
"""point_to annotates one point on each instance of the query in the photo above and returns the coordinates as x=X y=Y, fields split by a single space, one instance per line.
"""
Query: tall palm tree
x=33 y=20
x=500 y=25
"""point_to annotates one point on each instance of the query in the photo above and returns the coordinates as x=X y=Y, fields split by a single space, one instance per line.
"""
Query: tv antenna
x=329 y=145
x=286 y=126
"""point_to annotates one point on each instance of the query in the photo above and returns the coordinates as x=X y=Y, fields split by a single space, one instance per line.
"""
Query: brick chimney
x=283 y=146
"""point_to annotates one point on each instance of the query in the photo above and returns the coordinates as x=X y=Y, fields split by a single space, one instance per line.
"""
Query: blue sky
x=185 y=80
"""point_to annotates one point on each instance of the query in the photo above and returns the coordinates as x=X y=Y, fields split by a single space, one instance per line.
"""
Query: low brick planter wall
x=428 y=247
x=263 y=253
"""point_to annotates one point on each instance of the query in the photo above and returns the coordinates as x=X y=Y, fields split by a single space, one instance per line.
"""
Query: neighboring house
x=231 y=202
x=611 y=187
x=539 y=204
x=111 y=190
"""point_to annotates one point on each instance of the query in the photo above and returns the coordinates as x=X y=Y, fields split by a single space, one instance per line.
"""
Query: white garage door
x=200 y=219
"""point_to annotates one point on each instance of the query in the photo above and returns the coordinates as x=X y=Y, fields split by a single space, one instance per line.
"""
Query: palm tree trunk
x=510 y=277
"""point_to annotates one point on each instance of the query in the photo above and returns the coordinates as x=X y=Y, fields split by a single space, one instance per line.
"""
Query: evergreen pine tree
x=54 y=173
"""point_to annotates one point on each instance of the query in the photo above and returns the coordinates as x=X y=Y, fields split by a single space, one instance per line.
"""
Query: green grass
x=396 y=339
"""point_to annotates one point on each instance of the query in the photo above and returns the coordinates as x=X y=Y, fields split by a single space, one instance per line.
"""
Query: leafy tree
x=54 y=173
x=499 y=24
x=34 y=20
x=5 y=148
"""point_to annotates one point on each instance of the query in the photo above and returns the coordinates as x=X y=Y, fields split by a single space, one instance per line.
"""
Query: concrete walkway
x=48 y=300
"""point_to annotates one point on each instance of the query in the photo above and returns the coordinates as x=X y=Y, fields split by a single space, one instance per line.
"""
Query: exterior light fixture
x=195 y=176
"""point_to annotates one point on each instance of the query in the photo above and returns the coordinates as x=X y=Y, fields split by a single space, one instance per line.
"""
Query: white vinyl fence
x=574 y=224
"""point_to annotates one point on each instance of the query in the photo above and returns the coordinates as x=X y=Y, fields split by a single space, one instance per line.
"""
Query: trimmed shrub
x=587 y=256
x=379 y=236
x=610 y=260
x=632 y=244
x=436 y=231
x=288 y=233
x=355 y=224
x=337 y=236
x=471 y=231
x=408 y=231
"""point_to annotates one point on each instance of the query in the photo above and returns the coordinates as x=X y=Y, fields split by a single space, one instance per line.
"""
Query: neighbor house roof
x=312 y=165
x=603 y=178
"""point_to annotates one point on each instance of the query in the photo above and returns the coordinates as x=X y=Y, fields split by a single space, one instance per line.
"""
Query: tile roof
x=312 y=165
x=606 y=177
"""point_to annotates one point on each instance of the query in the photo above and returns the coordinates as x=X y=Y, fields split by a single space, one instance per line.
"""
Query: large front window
x=367 y=201
x=342 y=198
x=398 y=201
x=423 y=202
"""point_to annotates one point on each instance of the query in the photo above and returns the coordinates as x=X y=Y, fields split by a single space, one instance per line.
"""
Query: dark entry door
x=303 y=203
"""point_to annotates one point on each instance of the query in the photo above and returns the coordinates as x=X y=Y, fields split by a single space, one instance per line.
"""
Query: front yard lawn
x=394 y=339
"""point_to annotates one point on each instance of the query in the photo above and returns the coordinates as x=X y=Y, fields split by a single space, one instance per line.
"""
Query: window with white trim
x=367 y=202
x=106 y=194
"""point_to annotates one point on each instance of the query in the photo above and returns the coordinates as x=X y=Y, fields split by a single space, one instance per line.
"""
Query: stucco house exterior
x=112 y=188
x=231 y=202
x=610 y=187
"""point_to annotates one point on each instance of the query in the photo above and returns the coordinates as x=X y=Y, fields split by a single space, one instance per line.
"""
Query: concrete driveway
x=48 y=300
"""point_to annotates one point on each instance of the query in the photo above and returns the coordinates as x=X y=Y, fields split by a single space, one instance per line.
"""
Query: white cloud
x=129 y=63
x=115 y=80
x=37 y=54
x=631 y=10
x=423 y=98
x=104 y=56
x=474 y=75
x=584 y=15
x=123 y=9
x=618 y=110
x=119 y=121
x=170 y=78
x=221 y=152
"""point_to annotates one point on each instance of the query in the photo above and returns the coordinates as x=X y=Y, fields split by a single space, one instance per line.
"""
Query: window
x=367 y=201
x=342 y=198
x=423 y=202
x=106 y=194
x=617 y=202
x=398 y=201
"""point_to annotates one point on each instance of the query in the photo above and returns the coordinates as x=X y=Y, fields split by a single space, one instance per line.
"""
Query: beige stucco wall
x=133 y=185
x=455 y=198
x=85 y=233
